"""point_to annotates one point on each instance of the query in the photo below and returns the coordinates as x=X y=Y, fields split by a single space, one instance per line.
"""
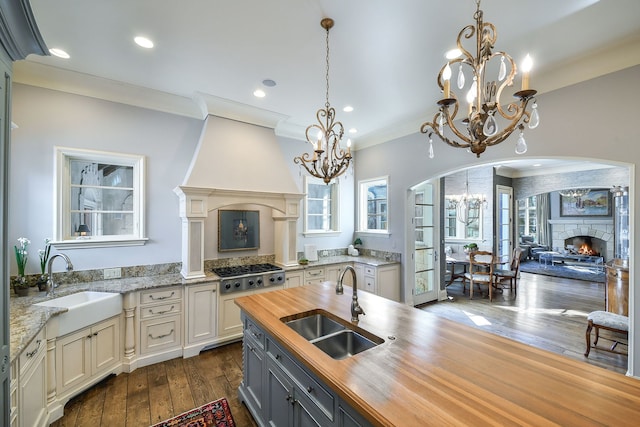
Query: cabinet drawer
x=160 y=310
x=160 y=295
x=159 y=334
x=314 y=273
x=309 y=386
x=30 y=354
x=254 y=332
x=371 y=271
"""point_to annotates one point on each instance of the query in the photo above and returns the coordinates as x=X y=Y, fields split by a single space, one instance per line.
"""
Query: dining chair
x=511 y=275
x=480 y=271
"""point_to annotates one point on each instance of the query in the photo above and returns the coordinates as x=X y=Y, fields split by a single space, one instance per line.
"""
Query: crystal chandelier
x=467 y=202
x=328 y=159
x=486 y=121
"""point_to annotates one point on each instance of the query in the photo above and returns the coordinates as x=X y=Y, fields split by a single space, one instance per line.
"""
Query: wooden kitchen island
x=434 y=372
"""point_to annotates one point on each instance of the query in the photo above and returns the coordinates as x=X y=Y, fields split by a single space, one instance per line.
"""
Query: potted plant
x=20 y=283
x=470 y=247
x=44 y=257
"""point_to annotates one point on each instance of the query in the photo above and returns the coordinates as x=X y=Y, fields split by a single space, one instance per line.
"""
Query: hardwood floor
x=154 y=393
x=548 y=313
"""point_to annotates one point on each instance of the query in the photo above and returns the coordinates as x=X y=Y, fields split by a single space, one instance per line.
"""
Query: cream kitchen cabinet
x=31 y=385
x=201 y=317
x=13 y=394
x=84 y=356
x=314 y=275
x=294 y=278
x=160 y=333
x=333 y=272
x=381 y=280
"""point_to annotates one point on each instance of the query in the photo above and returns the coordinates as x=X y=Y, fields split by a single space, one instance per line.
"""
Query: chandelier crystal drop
x=486 y=121
x=327 y=160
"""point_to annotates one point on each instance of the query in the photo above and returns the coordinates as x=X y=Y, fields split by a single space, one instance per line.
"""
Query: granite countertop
x=340 y=259
x=27 y=319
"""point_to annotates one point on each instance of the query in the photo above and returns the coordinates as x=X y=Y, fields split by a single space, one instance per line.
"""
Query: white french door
x=425 y=237
x=504 y=223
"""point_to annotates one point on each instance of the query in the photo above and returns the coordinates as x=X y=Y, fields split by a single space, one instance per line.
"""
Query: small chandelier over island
x=328 y=160
x=486 y=120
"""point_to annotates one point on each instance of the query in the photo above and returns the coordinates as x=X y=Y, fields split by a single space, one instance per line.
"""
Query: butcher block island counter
x=428 y=371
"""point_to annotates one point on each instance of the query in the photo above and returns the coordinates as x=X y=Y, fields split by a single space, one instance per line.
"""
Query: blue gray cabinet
x=280 y=392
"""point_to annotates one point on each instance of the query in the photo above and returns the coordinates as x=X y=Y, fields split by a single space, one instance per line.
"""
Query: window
x=321 y=206
x=462 y=222
x=99 y=199
x=527 y=219
x=373 y=205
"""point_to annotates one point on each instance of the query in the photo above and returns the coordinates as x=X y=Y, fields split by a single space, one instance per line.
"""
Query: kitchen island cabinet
x=432 y=371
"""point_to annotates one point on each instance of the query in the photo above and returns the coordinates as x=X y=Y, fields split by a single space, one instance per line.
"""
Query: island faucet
x=355 y=306
x=50 y=285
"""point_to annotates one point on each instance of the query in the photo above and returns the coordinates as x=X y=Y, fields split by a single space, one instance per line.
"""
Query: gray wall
x=48 y=118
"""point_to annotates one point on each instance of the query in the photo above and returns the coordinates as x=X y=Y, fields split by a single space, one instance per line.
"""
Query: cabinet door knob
x=309 y=389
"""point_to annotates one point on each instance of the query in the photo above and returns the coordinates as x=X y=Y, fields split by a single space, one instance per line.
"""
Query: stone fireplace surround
x=602 y=229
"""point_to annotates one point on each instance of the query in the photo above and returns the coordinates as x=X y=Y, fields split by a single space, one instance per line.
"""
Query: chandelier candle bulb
x=446 y=75
x=527 y=64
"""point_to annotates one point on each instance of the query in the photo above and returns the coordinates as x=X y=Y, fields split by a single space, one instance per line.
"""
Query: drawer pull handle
x=163 y=311
x=314 y=273
x=161 y=298
x=35 y=350
x=160 y=336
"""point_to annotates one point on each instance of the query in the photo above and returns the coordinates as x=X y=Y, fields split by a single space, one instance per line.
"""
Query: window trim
x=335 y=214
x=62 y=192
x=362 y=208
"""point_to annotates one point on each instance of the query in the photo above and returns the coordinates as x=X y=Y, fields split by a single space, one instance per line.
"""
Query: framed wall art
x=594 y=203
x=238 y=230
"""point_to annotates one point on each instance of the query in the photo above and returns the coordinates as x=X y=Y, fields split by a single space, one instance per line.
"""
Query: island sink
x=337 y=338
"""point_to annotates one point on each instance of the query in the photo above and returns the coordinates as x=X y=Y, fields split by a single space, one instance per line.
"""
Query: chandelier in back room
x=485 y=121
x=328 y=160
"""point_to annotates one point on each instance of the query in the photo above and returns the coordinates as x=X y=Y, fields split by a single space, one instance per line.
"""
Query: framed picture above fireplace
x=596 y=202
x=238 y=230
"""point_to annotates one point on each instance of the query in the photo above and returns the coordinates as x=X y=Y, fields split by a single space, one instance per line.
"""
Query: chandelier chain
x=327 y=74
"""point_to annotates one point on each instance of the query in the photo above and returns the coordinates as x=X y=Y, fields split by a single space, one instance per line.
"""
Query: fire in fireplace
x=585 y=245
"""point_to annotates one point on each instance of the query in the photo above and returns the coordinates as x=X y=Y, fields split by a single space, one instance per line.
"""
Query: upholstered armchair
x=530 y=248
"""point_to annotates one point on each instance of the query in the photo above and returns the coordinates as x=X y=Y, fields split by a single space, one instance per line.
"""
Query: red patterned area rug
x=213 y=414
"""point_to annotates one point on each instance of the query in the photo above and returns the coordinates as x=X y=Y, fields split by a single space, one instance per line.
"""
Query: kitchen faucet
x=355 y=307
x=50 y=285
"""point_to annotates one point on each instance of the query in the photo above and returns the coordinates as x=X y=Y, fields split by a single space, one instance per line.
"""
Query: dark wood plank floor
x=154 y=393
x=548 y=313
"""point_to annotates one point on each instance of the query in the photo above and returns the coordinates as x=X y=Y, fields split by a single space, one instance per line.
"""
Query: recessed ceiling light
x=269 y=83
x=259 y=93
x=348 y=109
x=143 y=42
x=353 y=130
x=453 y=53
x=59 y=53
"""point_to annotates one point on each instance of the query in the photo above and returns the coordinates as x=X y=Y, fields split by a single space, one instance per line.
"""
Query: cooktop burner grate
x=242 y=270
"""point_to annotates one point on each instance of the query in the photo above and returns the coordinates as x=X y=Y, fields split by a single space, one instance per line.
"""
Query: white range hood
x=236 y=163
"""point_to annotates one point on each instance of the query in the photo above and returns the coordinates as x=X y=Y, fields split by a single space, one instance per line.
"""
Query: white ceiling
x=210 y=55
